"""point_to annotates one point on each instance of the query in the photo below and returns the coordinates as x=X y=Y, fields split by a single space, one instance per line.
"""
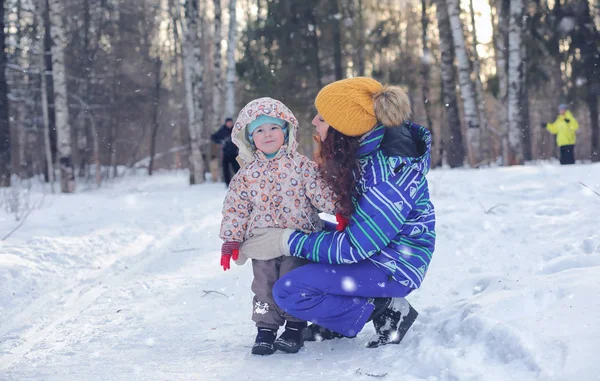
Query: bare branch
x=589 y=188
x=17 y=227
x=374 y=375
x=185 y=250
x=491 y=210
x=206 y=292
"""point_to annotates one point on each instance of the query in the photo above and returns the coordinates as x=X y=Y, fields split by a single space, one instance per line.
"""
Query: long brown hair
x=337 y=162
x=337 y=157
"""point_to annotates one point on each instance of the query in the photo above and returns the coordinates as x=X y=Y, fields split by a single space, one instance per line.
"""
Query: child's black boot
x=291 y=339
x=264 y=343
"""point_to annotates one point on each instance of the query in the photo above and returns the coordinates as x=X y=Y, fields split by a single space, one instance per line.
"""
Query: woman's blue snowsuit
x=384 y=251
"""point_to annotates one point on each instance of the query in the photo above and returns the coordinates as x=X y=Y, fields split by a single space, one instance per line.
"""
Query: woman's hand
x=267 y=243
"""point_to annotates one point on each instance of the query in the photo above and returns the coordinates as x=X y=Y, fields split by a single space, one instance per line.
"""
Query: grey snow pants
x=265 y=313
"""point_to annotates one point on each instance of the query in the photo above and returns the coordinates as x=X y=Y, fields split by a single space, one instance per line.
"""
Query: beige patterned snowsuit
x=283 y=192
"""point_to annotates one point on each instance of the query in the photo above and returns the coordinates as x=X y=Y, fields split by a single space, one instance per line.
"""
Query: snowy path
x=124 y=284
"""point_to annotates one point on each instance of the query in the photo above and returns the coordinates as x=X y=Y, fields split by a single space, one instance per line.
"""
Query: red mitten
x=342 y=222
x=228 y=250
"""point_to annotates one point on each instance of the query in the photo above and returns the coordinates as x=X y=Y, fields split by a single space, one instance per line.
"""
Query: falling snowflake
x=348 y=284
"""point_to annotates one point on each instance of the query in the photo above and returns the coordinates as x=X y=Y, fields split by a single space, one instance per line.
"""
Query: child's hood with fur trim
x=262 y=106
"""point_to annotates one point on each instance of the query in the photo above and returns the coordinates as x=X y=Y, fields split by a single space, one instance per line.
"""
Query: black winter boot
x=263 y=345
x=291 y=339
x=392 y=318
x=315 y=332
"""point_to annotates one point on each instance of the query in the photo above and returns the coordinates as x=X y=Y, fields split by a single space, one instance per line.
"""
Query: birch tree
x=192 y=64
x=455 y=150
x=231 y=44
x=5 y=157
x=501 y=51
x=479 y=87
x=218 y=82
x=516 y=71
x=464 y=77
x=61 y=107
x=425 y=70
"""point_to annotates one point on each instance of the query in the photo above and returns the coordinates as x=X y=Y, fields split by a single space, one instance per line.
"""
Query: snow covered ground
x=124 y=283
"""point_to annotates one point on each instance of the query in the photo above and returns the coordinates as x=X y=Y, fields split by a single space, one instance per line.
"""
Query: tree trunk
x=20 y=108
x=337 y=39
x=40 y=17
x=46 y=116
x=501 y=48
x=61 y=106
x=524 y=97
x=315 y=54
x=516 y=70
x=231 y=45
x=360 y=51
x=155 y=113
x=82 y=130
x=218 y=84
x=466 y=85
x=501 y=52
x=481 y=104
x=96 y=150
x=425 y=70
x=5 y=157
x=455 y=150
x=592 y=101
x=47 y=57
x=587 y=40
x=193 y=84
x=174 y=12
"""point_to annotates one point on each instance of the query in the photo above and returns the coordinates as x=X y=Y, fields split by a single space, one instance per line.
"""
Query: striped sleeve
x=377 y=219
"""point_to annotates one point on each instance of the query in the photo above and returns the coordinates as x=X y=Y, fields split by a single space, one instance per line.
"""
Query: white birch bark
x=467 y=89
x=218 y=58
x=61 y=108
x=230 y=78
x=515 y=82
x=501 y=49
x=192 y=65
x=502 y=13
x=483 y=120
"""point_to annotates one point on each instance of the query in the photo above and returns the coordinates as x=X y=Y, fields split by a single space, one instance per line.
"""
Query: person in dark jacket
x=230 y=151
x=375 y=160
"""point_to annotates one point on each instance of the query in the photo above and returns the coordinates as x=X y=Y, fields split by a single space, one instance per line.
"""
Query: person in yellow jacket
x=564 y=128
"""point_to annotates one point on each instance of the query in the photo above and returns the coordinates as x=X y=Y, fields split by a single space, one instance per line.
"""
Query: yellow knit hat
x=347 y=105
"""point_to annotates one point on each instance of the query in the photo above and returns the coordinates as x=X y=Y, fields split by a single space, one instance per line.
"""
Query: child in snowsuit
x=278 y=187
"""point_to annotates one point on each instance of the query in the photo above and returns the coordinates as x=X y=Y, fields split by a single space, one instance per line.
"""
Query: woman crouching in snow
x=375 y=161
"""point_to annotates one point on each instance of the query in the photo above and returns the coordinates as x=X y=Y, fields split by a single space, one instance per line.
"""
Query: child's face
x=268 y=138
x=321 y=125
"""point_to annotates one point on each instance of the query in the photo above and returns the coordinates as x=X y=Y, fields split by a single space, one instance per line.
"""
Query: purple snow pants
x=335 y=296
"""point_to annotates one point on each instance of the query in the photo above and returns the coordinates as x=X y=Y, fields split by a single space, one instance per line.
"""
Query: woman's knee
x=282 y=291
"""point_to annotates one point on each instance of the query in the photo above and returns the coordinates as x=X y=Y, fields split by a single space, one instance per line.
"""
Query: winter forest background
x=113 y=102
x=103 y=86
